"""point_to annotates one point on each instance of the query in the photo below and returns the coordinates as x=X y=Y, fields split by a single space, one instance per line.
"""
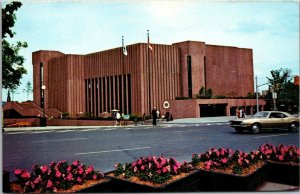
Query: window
x=190 y=83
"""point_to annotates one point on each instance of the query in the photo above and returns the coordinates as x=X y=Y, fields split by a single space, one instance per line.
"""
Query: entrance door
x=212 y=110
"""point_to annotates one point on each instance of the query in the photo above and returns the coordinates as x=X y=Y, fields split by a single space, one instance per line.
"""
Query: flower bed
x=283 y=163
x=224 y=170
x=153 y=174
x=57 y=177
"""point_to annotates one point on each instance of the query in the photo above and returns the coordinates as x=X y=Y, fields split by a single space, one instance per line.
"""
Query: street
x=103 y=147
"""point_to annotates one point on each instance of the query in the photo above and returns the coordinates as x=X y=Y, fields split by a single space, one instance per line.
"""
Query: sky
x=270 y=28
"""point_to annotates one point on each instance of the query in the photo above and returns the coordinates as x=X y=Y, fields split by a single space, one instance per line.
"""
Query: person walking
x=154 y=116
x=118 y=117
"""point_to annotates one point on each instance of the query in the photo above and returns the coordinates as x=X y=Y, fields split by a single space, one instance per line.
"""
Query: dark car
x=266 y=120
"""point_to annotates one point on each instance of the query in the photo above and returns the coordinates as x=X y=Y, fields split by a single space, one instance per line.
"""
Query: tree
x=280 y=81
x=204 y=93
x=28 y=89
x=287 y=91
x=12 y=61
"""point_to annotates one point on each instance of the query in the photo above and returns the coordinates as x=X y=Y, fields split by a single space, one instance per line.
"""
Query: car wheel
x=239 y=130
x=255 y=128
x=294 y=126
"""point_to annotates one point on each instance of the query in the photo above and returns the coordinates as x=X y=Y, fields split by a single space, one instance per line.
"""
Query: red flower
x=79 y=180
x=49 y=184
x=25 y=175
x=76 y=162
x=224 y=160
x=57 y=174
x=18 y=172
x=281 y=158
x=44 y=169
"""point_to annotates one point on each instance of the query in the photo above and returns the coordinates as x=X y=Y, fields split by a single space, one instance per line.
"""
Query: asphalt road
x=106 y=146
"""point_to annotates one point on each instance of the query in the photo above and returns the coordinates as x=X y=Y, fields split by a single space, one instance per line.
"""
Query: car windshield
x=261 y=114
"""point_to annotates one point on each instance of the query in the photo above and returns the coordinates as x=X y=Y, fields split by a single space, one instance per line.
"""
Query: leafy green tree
x=280 y=79
x=12 y=61
x=287 y=91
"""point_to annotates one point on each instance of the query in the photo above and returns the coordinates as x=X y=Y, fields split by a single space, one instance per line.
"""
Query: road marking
x=88 y=130
x=270 y=135
x=64 y=131
x=74 y=139
x=107 y=151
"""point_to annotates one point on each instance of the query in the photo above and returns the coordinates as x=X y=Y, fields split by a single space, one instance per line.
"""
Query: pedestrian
x=118 y=117
x=154 y=116
x=157 y=115
x=144 y=118
x=241 y=113
x=237 y=113
x=167 y=116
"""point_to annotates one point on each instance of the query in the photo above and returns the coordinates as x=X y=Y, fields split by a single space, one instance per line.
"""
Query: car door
x=267 y=122
x=277 y=120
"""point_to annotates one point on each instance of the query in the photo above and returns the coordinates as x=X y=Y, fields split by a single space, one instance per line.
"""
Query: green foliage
x=204 y=93
x=12 y=61
x=182 y=98
x=281 y=83
x=251 y=95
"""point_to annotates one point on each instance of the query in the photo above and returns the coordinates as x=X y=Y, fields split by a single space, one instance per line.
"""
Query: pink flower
x=143 y=167
x=70 y=177
x=134 y=163
x=139 y=161
x=158 y=171
x=224 y=160
x=80 y=170
x=281 y=158
x=94 y=176
x=57 y=174
x=44 y=169
x=222 y=152
x=163 y=161
x=76 y=162
x=89 y=169
x=18 y=172
x=49 y=184
x=79 y=180
x=158 y=166
x=175 y=169
x=25 y=175
x=69 y=168
x=38 y=179
x=165 y=169
x=135 y=169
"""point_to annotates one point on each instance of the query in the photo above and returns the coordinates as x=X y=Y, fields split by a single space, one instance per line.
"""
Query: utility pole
x=257 y=86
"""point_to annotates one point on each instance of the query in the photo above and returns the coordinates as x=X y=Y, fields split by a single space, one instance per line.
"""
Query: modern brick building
x=99 y=82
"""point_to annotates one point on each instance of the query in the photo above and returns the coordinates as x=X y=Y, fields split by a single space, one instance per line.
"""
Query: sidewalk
x=224 y=119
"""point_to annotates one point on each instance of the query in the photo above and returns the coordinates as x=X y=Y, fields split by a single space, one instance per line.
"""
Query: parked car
x=266 y=120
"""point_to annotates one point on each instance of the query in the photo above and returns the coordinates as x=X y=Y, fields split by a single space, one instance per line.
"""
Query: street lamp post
x=257 y=86
x=43 y=124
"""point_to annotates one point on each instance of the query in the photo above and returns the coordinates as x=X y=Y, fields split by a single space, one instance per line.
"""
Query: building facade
x=99 y=82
